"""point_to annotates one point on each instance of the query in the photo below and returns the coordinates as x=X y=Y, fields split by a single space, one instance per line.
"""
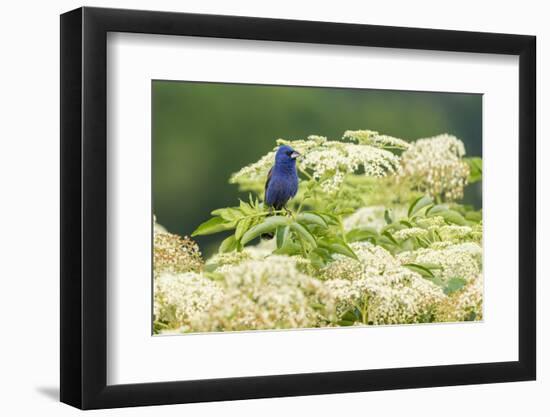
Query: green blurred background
x=203 y=132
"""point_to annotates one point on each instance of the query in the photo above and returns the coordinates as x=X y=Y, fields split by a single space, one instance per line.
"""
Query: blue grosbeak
x=282 y=179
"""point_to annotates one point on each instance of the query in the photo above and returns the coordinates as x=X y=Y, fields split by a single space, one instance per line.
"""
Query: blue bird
x=282 y=179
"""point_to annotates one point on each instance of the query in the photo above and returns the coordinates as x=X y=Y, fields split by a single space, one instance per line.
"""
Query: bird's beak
x=295 y=155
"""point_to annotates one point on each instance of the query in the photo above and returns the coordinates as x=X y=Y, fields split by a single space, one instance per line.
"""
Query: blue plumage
x=282 y=180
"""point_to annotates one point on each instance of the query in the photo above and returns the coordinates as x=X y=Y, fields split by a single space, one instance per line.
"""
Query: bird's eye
x=289 y=153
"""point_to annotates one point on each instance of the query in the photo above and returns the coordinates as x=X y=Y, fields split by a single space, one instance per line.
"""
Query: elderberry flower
x=328 y=162
x=175 y=254
x=435 y=165
x=267 y=294
x=411 y=232
x=371 y=137
x=378 y=287
x=179 y=297
x=453 y=261
x=399 y=296
x=372 y=217
x=463 y=305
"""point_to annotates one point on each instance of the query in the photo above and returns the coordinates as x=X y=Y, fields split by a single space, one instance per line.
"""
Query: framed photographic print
x=257 y=208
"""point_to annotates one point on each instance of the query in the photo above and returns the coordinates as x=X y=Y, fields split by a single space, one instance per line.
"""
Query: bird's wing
x=267 y=182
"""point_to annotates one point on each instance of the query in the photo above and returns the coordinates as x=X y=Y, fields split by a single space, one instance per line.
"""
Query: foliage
x=375 y=235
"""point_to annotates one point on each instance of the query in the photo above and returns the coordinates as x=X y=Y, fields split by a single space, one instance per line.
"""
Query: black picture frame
x=84 y=207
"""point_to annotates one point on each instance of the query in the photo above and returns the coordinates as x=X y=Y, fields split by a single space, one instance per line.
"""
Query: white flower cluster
x=465 y=305
x=267 y=294
x=254 y=173
x=431 y=223
x=332 y=161
x=257 y=291
x=397 y=296
x=382 y=290
x=366 y=217
x=461 y=234
x=410 y=232
x=175 y=254
x=461 y=260
x=371 y=137
x=435 y=165
x=179 y=297
x=372 y=216
x=327 y=161
x=386 y=293
x=225 y=260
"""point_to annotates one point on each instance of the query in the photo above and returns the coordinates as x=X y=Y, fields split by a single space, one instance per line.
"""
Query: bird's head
x=286 y=155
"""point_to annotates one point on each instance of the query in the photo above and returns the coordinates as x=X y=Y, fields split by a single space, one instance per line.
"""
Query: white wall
x=29 y=126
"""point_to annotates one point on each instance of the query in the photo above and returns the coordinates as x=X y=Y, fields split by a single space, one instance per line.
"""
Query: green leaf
x=289 y=248
x=431 y=266
x=406 y=223
x=420 y=269
x=392 y=227
x=317 y=306
x=228 y=213
x=474 y=216
x=454 y=284
x=436 y=280
x=364 y=233
x=328 y=217
x=349 y=316
x=323 y=253
x=316 y=260
x=281 y=235
x=435 y=210
x=452 y=216
x=476 y=169
x=425 y=270
x=312 y=218
x=242 y=226
x=214 y=225
x=302 y=231
x=419 y=204
x=344 y=249
x=390 y=238
x=387 y=217
x=229 y=244
x=268 y=225
x=246 y=208
x=422 y=242
x=335 y=244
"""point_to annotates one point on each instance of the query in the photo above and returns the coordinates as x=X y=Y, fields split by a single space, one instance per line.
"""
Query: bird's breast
x=282 y=187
